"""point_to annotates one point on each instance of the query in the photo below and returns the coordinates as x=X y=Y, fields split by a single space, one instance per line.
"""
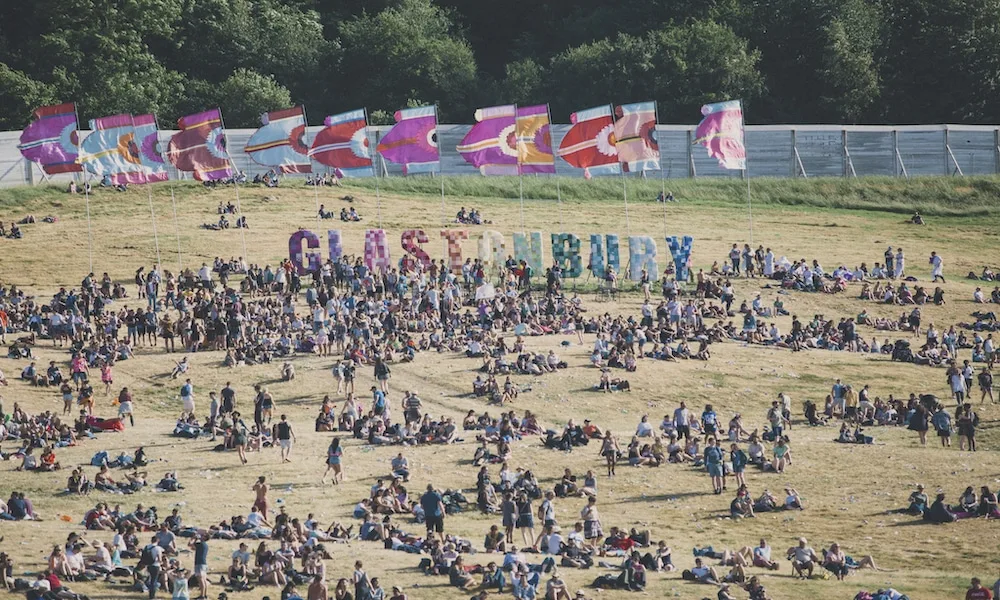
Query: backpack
x=146 y=557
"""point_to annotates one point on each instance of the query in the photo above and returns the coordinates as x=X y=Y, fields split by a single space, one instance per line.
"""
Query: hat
x=580 y=594
x=556 y=529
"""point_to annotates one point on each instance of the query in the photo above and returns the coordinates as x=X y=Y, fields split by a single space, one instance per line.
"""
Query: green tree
x=822 y=50
x=245 y=95
x=679 y=66
x=941 y=61
x=19 y=95
x=410 y=50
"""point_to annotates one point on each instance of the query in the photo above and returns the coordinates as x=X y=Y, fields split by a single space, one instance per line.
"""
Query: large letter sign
x=642 y=255
x=530 y=253
x=411 y=240
x=297 y=256
x=680 y=250
x=377 y=250
x=566 y=254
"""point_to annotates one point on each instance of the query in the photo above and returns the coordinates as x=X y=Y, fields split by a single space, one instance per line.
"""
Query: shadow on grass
x=665 y=497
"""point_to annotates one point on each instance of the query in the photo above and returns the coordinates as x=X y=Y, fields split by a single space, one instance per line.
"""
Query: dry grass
x=847 y=489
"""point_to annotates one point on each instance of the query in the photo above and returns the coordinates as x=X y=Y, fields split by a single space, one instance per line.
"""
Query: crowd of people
x=376 y=320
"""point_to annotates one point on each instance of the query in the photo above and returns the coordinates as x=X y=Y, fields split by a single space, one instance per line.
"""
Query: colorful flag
x=200 y=147
x=635 y=137
x=343 y=144
x=490 y=145
x=590 y=142
x=111 y=150
x=147 y=137
x=280 y=142
x=412 y=141
x=51 y=139
x=721 y=132
x=534 y=140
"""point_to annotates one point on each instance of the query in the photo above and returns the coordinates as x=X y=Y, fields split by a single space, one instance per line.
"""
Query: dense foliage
x=852 y=61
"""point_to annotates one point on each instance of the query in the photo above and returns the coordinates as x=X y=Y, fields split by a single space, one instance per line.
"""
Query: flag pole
x=177 y=231
x=152 y=213
x=621 y=169
x=548 y=114
x=90 y=233
x=305 y=121
x=378 y=196
x=86 y=193
x=746 y=171
x=152 y=216
x=663 y=181
x=236 y=189
x=520 y=171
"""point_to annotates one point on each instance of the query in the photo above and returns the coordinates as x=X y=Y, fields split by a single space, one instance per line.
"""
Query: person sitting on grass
x=704 y=574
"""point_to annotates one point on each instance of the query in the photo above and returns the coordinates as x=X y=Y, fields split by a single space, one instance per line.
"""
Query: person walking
x=285 y=435
x=333 y=455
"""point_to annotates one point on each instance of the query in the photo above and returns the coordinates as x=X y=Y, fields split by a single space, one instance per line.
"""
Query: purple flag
x=491 y=144
x=721 y=132
x=51 y=139
x=412 y=141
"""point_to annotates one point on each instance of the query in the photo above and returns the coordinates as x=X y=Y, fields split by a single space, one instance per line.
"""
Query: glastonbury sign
x=492 y=249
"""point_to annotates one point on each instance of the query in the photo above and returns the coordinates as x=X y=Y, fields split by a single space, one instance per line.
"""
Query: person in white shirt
x=803 y=558
x=555 y=541
x=937 y=268
x=645 y=429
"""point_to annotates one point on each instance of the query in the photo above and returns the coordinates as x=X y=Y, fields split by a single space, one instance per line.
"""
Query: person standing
x=937 y=268
x=682 y=420
x=260 y=489
x=200 y=547
x=125 y=406
x=900 y=264
x=228 y=399
x=152 y=557
x=433 y=505
x=285 y=435
x=713 y=462
x=187 y=397
x=888 y=263
x=977 y=591
x=382 y=374
x=986 y=385
x=942 y=423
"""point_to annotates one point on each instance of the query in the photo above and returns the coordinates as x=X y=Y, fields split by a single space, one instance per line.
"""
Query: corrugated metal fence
x=772 y=150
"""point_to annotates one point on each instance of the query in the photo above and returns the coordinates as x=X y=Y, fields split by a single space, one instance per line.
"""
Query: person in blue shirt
x=713 y=462
x=739 y=459
x=433 y=506
x=709 y=422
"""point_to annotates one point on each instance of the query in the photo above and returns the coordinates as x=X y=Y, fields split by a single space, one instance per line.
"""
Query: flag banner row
x=505 y=140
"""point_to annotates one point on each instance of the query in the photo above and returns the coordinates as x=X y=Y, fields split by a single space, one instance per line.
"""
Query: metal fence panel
x=772 y=150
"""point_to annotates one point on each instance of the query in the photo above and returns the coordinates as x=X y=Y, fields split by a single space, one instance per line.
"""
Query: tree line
x=821 y=61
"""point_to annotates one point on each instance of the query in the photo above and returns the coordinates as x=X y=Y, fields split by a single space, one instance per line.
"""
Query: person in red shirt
x=977 y=591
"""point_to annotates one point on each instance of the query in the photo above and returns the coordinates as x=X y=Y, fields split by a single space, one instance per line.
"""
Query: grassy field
x=847 y=489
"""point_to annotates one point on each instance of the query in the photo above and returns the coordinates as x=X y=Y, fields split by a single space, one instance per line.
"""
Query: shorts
x=683 y=431
x=550 y=522
x=709 y=429
x=715 y=470
x=285 y=444
x=525 y=522
x=944 y=432
x=434 y=524
x=592 y=530
x=201 y=570
x=188 y=404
